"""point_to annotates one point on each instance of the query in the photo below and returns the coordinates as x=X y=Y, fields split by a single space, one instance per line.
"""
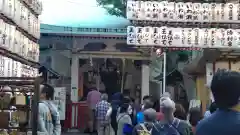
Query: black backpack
x=171 y=129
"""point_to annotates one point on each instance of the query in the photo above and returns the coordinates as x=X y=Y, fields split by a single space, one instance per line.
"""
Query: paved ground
x=74 y=133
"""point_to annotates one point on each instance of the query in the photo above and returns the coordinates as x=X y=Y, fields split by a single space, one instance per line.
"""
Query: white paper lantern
x=140 y=11
x=1 y=6
x=206 y=37
x=19 y=69
x=180 y=11
x=218 y=11
x=238 y=38
x=147 y=31
x=230 y=12
x=219 y=38
x=172 y=16
x=2 y=29
x=189 y=11
x=2 y=64
x=229 y=36
x=196 y=37
x=16 y=46
x=223 y=35
x=238 y=13
x=12 y=30
x=235 y=39
x=148 y=10
x=177 y=37
x=183 y=37
x=7 y=67
x=170 y=37
x=164 y=36
x=196 y=12
x=156 y=12
x=165 y=14
x=212 y=12
x=6 y=35
x=205 y=12
x=131 y=5
x=155 y=37
x=139 y=36
x=213 y=38
x=234 y=11
x=188 y=36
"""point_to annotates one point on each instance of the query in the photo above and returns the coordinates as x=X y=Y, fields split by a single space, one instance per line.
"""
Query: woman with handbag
x=124 y=121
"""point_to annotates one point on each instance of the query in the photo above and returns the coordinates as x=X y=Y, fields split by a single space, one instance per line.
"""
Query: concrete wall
x=61 y=64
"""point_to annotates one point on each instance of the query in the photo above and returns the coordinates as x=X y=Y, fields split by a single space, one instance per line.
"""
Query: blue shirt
x=221 y=122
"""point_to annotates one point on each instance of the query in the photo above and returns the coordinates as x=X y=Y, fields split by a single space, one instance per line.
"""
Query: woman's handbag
x=127 y=129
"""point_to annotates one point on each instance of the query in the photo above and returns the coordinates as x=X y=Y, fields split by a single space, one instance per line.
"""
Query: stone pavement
x=74 y=133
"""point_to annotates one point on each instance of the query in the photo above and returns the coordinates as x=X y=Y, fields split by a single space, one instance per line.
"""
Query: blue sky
x=78 y=13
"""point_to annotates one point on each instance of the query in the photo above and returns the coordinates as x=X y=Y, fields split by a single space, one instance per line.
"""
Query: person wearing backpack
x=170 y=125
x=123 y=120
x=146 y=127
x=49 y=118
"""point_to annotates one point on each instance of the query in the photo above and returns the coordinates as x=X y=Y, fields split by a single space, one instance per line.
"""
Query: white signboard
x=183 y=37
x=60 y=101
x=209 y=76
x=195 y=103
x=183 y=12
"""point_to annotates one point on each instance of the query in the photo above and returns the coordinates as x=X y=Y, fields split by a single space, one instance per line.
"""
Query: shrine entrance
x=111 y=74
x=106 y=74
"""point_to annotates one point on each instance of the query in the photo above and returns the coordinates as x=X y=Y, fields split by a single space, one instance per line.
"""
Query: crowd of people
x=119 y=115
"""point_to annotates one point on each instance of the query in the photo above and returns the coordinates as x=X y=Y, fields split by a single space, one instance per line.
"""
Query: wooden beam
x=124 y=55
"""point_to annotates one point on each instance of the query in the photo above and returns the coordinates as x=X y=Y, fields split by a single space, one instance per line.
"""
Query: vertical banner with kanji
x=60 y=101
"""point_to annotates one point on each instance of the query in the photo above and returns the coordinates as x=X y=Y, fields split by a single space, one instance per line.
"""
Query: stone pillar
x=145 y=80
x=74 y=78
x=74 y=88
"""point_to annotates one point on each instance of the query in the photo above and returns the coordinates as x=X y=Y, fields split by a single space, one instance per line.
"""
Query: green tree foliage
x=114 y=7
x=118 y=7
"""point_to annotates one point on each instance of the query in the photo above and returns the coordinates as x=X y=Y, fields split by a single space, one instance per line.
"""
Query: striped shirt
x=101 y=112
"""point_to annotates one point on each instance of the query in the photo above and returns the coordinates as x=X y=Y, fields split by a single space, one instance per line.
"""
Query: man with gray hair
x=170 y=125
x=103 y=124
x=150 y=116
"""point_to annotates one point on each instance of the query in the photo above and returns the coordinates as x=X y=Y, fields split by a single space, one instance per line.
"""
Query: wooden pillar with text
x=202 y=92
x=204 y=81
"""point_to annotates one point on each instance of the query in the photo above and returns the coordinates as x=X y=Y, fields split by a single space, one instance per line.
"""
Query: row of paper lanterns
x=183 y=37
x=11 y=68
x=183 y=12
